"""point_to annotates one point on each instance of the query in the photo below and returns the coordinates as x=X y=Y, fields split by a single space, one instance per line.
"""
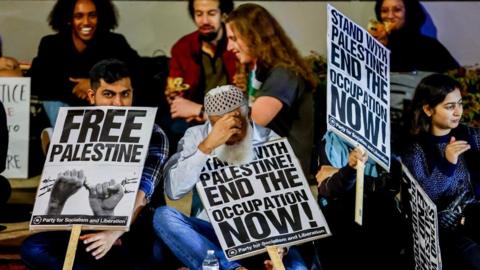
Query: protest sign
x=93 y=168
x=358 y=87
x=15 y=96
x=424 y=225
x=262 y=203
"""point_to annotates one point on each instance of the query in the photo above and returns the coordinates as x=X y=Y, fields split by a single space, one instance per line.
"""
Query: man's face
x=84 y=20
x=241 y=122
x=208 y=18
x=119 y=93
x=238 y=46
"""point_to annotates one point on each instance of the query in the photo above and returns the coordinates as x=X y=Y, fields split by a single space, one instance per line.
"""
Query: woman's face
x=238 y=46
x=393 y=12
x=447 y=114
x=84 y=21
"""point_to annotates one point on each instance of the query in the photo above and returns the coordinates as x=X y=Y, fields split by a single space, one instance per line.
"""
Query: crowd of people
x=237 y=81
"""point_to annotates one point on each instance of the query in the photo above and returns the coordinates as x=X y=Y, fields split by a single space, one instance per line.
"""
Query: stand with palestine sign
x=358 y=92
x=424 y=225
x=266 y=202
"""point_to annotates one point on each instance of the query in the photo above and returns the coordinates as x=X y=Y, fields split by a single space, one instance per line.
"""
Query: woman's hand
x=379 y=31
x=454 y=149
x=81 y=87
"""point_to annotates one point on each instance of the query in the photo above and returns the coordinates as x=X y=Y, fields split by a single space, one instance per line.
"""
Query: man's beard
x=207 y=37
x=239 y=153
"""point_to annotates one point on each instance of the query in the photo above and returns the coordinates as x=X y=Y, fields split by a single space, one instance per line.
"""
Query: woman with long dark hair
x=443 y=157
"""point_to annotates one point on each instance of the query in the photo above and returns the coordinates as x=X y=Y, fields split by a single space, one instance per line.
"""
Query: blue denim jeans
x=190 y=238
x=51 y=108
x=46 y=250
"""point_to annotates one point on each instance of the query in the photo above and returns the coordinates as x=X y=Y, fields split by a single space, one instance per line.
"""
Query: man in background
x=200 y=61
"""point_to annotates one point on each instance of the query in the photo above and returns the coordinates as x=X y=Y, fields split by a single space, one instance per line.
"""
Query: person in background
x=111 y=86
x=443 y=156
x=199 y=61
x=280 y=82
x=383 y=230
x=59 y=72
x=400 y=30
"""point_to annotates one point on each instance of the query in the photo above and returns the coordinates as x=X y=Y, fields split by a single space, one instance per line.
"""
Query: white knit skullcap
x=223 y=99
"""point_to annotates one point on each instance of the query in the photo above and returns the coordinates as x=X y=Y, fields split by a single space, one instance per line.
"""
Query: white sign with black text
x=15 y=96
x=358 y=87
x=262 y=203
x=93 y=168
x=424 y=225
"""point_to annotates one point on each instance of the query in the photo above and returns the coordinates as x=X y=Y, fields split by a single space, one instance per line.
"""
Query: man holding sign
x=230 y=135
x=111 y=86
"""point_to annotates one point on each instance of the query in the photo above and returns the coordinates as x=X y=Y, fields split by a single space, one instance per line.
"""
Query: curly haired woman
x=280 y=83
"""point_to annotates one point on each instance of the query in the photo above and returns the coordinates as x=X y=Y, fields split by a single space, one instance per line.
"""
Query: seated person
x=60 y=70
x=378 y=242
x=230 y=135
x=443 y=157
x=111 y=86
x=281 y=82
x=200 y=61
x=399 y=30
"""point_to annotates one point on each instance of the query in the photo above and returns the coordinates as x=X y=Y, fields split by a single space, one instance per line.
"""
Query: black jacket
x=58 y=60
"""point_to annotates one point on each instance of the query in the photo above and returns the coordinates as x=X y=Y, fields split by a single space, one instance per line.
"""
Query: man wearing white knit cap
x=228 y=134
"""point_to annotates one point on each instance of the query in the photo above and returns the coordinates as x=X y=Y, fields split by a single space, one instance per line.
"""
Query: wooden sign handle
x=359 y=193
x=72 y=247
x=275 y=257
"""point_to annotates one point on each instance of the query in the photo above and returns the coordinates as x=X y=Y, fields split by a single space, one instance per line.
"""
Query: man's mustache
x=207 y=27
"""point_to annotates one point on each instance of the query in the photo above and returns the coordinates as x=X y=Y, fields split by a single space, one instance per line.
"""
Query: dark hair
x=225 y=6
x=431 y=91
x=110 y=70
x=414 y=14
x=61 y=16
